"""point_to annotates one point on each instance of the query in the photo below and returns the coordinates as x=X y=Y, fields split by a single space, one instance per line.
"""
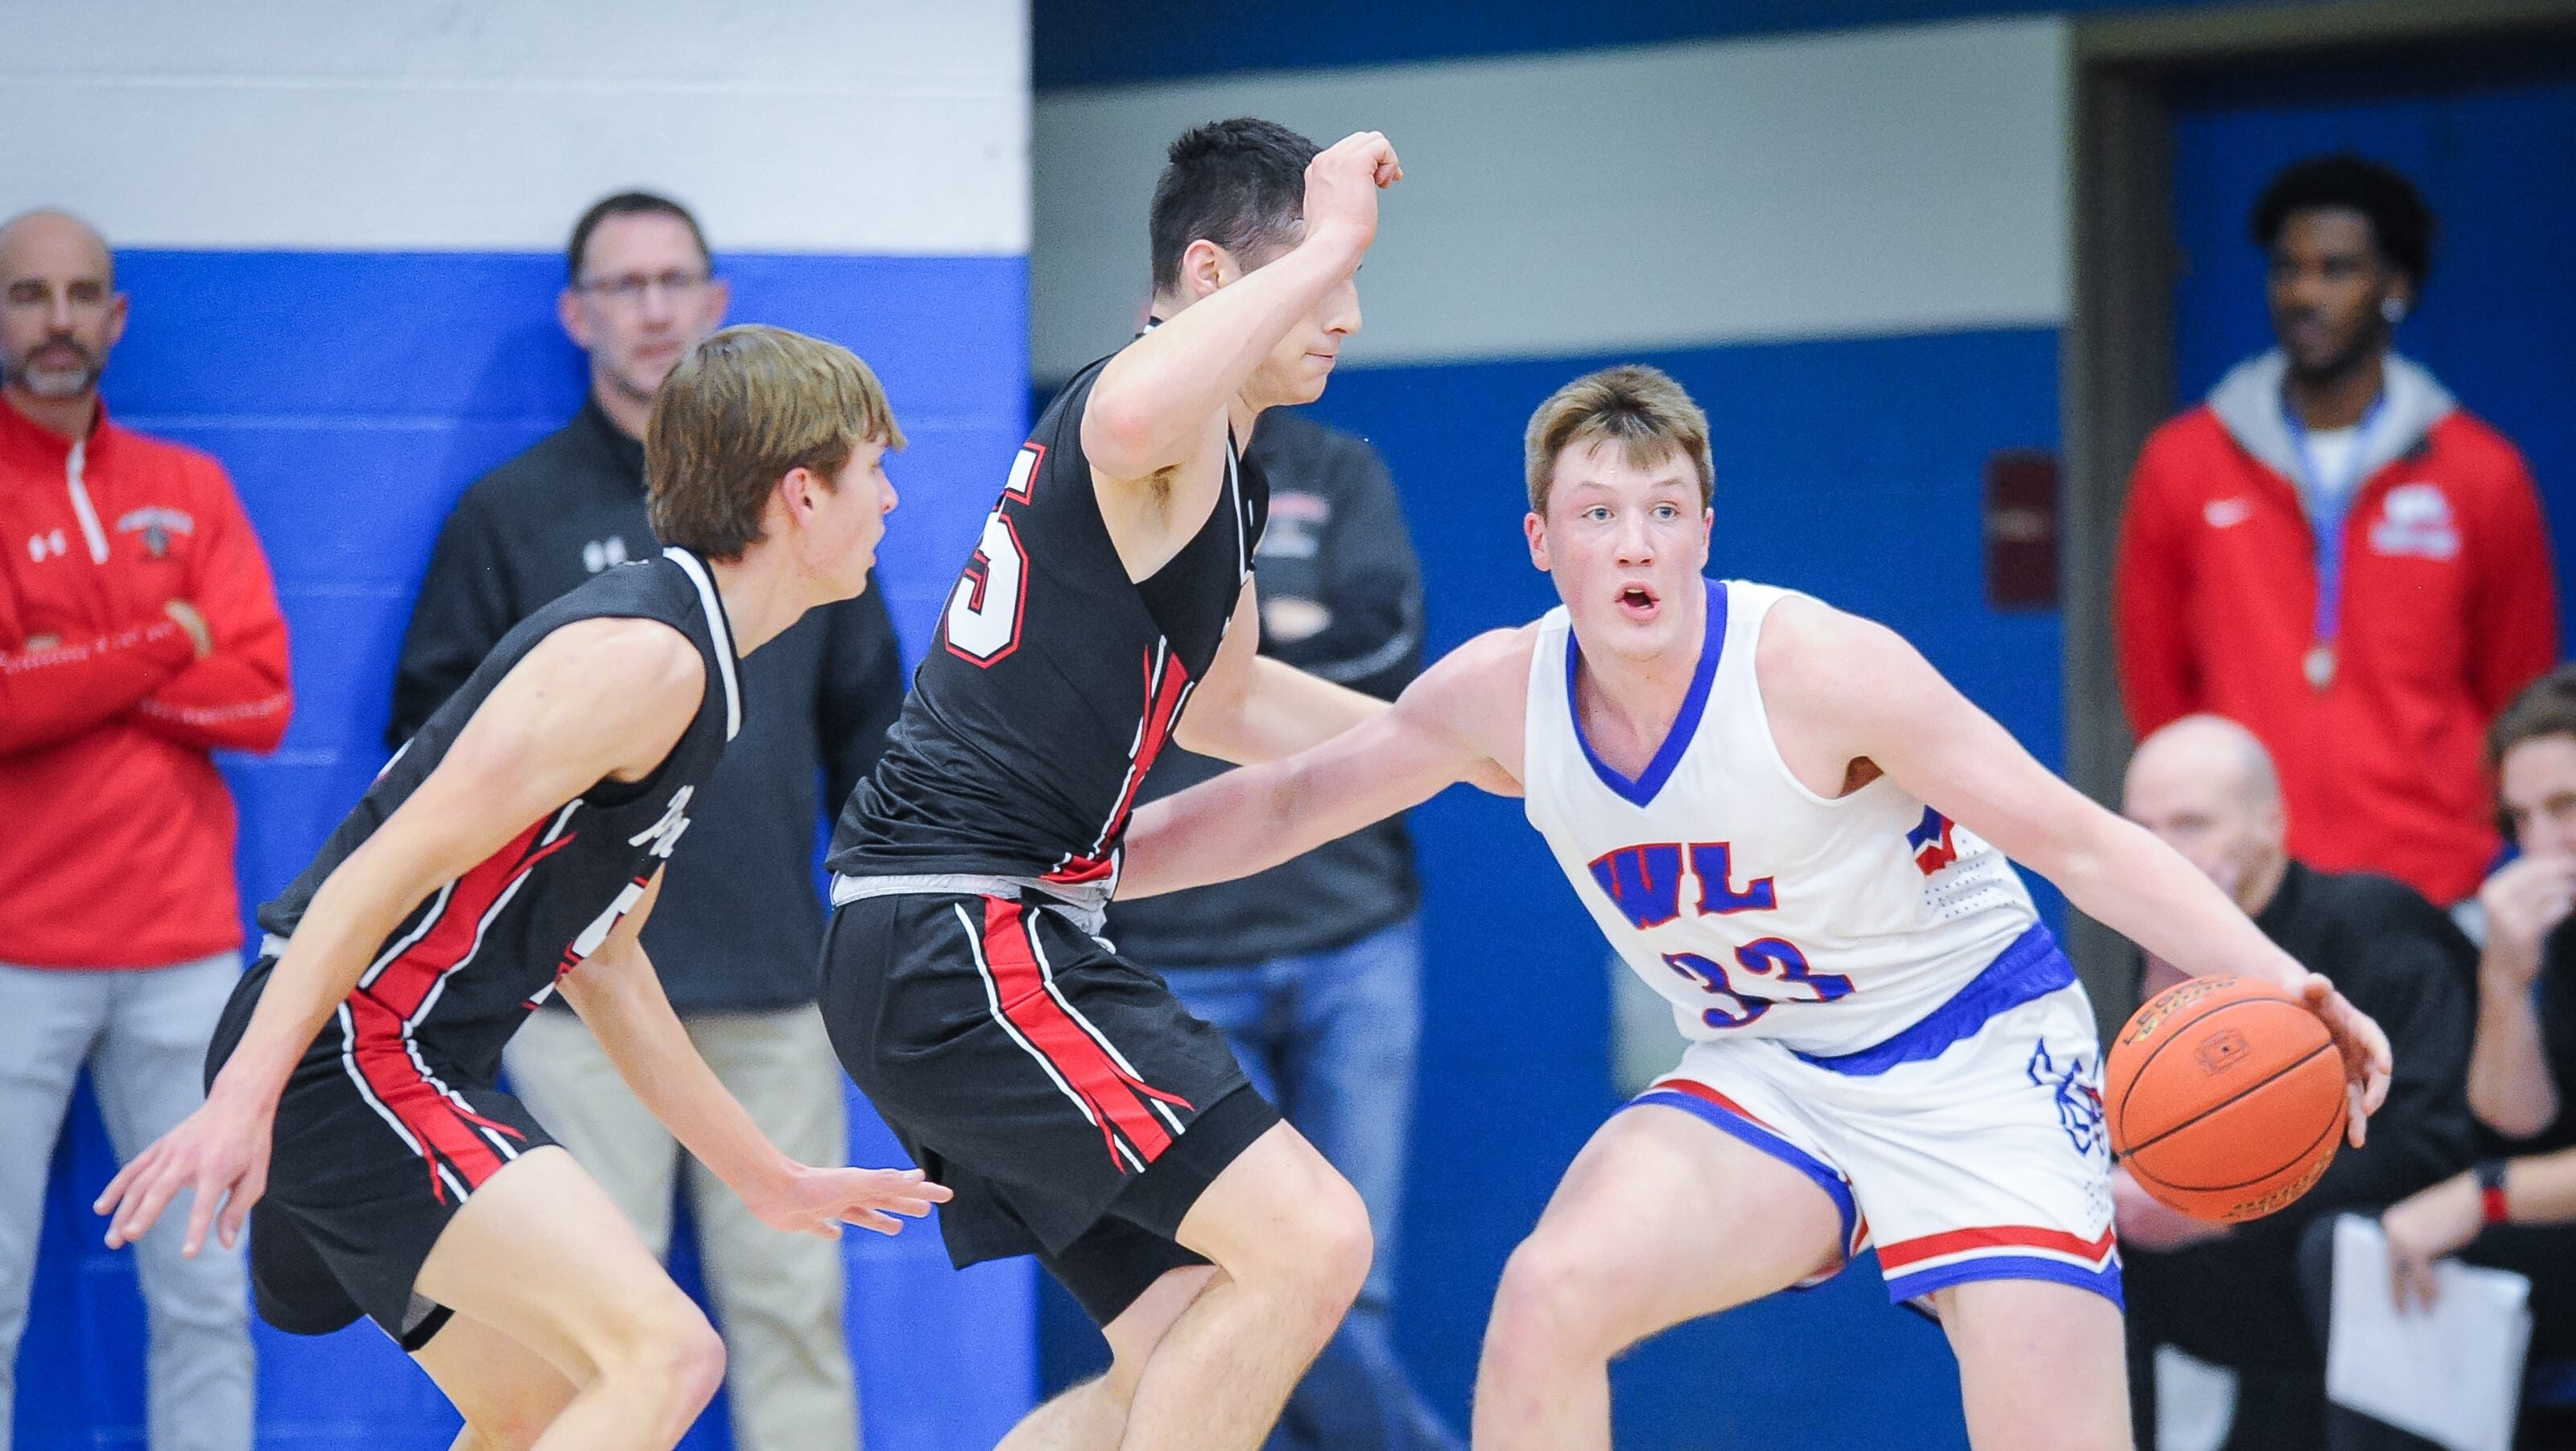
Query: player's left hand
x=2147 y=1223
x=2366 y=1059
x=819 y=1201
x=2422 y=1228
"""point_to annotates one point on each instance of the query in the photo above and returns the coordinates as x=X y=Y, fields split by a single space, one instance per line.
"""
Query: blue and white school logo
x=2079 y=1102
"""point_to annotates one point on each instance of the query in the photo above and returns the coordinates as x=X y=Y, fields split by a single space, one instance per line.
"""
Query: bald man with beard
x=2230 y=1295
x=139 y=633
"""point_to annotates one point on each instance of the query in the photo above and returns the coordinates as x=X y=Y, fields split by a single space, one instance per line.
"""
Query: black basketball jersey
x=458 y=976
x=1055 y=679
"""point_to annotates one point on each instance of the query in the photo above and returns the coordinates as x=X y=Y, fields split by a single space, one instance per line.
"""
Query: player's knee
x=1550 y=1301
x=697 y=1364
x=666 y=1350
x=1332 y=1246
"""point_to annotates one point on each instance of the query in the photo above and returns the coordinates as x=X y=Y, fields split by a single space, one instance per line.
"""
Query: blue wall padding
x=353 y=397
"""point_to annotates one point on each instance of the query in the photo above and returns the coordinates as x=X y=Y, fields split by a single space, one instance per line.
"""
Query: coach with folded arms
x=138 y=633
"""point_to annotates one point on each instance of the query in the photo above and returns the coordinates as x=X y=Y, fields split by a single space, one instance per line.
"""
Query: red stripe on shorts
x=1117 y=1098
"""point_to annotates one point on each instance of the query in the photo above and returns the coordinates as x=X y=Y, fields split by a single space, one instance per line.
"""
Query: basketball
x=2225 y=1098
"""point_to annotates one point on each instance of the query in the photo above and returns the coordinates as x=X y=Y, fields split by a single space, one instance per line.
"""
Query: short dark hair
x=1240 y=184
x=629 y=204
x=2401 y=226
x=2546 y=707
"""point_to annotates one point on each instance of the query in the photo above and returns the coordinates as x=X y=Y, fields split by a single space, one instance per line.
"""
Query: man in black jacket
x=738 y=936
x=1314 y=968
x=2231 y=1295
x=2516 y=1208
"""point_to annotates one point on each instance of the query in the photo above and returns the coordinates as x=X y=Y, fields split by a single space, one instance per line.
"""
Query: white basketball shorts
x=1968 y=1147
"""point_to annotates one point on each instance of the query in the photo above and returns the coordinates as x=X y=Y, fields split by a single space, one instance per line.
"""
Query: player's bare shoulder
x=623 y=686
x=1813 y=658
x=1825 y=676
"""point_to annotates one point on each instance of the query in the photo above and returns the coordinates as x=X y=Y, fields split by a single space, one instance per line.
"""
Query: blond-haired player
x=1797 y=831
x=513 y=847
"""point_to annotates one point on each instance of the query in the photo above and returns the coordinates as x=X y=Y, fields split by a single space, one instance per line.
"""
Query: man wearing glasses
x=736 y=939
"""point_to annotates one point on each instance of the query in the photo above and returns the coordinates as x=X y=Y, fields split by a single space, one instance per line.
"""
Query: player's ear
x=796 y=490
x=1204 y=269
x=1534 y=527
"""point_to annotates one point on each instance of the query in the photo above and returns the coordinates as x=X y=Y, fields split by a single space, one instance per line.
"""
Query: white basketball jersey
x=1751 y=903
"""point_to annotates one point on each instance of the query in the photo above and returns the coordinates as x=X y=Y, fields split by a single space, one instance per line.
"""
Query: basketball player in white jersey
x=1797 y=831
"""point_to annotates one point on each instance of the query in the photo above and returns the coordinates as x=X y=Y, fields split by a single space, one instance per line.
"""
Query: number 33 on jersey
x=1752 y=904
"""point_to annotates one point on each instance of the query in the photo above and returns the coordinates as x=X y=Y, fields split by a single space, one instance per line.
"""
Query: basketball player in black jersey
x=1078 y=1111
x=513 y=847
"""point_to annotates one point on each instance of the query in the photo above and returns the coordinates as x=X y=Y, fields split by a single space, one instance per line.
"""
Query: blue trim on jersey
x=2104 y=1282
x=2030 y=969
x=1641 y=791
x=1834 y=1185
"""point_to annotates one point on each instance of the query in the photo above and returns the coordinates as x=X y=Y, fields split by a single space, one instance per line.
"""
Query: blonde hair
x=1649 y=414
x=746 y=407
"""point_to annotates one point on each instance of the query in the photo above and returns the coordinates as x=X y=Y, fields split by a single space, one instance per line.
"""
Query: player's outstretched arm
x=1461 y=721
x=1839 y=688
x=1252 y=708
x=618 y=994
x=596 y=699
x=1162 y=399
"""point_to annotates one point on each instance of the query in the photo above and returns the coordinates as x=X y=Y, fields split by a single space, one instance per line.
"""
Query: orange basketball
x=2225 y=1098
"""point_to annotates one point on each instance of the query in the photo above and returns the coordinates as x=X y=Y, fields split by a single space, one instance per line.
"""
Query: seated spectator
x=138 y=634
x=2515 y=1210
x=2229 y=1295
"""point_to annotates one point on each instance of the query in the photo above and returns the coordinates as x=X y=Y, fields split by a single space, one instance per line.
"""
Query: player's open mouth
x=1637 y=602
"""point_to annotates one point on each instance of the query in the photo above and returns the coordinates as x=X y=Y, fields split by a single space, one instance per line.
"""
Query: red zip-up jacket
x=117 y=849
x=2448 y=607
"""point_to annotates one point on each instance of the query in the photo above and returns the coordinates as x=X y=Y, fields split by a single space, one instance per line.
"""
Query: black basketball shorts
x=1073 y=1105
x=372 y=1153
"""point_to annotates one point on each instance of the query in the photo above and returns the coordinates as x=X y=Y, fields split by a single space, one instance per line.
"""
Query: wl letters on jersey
x=1645 y=882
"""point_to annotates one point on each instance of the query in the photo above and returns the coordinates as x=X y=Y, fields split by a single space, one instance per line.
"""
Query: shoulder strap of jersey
x=719 y=632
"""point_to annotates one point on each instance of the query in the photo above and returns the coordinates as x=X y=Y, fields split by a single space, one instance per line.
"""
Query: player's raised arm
x=620 y=997
x=1163 y=400
x=1848 y=689
x=598 y=698
x=1461 y=721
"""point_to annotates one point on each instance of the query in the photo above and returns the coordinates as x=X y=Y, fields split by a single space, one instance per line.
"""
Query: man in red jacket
x=2334 y=553
x=138 y=632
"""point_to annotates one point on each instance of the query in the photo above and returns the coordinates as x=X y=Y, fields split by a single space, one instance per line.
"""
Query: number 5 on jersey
x=984 y=611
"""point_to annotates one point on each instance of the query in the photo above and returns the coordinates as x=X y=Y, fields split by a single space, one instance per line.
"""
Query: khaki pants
x=777 y=1296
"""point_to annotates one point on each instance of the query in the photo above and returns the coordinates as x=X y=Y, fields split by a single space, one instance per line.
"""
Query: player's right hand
x=819 y=1201
x=2367 y=1062
x=220 y=1152
x=1342 y=184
